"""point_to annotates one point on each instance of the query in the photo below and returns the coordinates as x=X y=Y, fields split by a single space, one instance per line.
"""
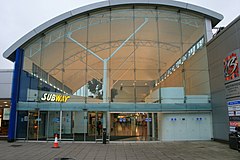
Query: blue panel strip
x=15 y=93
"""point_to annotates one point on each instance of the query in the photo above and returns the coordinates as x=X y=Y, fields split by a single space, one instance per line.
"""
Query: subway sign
x=50 y=97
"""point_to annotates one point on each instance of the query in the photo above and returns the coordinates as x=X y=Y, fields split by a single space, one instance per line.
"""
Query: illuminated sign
x=50 y=97
x=231 y=70
x=6 y=113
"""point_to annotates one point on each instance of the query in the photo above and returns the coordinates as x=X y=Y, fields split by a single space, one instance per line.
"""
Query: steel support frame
x=105 y=61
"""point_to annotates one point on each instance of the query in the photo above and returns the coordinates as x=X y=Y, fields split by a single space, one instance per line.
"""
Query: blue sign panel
x=231 y=103
x=148 y=120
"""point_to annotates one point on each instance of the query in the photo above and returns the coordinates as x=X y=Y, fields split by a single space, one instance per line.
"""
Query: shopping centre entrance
x=86 y=125
x=133 y=127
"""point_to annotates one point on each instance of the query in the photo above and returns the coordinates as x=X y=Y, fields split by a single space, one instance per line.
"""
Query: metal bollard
x=104 y=135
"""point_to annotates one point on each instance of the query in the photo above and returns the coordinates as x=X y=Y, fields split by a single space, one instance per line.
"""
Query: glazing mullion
x=48 y=121
x=86 y=64
x=159 y=57
x=110 y=81
x=182 y=52
x=28 y=127
x=134 y=58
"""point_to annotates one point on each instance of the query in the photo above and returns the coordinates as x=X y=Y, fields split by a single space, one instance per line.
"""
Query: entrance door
x=33 y=125
x=22 y=123
x=67 y=125
x=53 y=124
x=95 y=126
x=129 y=126
x=42 y=123
x=37 y=125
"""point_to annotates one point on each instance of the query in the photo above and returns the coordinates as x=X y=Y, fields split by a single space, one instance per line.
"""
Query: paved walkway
x=196 y=150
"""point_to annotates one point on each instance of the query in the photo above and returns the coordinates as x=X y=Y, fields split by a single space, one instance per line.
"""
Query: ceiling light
x=6 y=105
x=5 y=102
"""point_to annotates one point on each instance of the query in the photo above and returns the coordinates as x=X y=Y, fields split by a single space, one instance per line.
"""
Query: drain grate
x=201 y=147
x=64 y=159
x=16 y=145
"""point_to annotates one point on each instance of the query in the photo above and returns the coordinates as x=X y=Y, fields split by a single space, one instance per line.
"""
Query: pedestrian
x=99 y=127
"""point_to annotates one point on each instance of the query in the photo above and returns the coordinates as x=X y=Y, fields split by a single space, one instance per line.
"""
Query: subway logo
x=54 y=97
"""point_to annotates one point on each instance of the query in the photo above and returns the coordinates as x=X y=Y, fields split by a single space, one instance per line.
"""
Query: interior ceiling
x=145 y=52
x=4 y=103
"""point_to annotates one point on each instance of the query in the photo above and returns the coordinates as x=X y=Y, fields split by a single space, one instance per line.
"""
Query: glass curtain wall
x=146 y=55
x=122 y=62
x=125 y=52
x=129 y=54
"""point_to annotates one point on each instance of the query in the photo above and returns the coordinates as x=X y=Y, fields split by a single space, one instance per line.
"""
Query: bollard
x=104 y=135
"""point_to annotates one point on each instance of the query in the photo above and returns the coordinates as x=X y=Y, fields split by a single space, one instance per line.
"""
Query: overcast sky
x=18 y=17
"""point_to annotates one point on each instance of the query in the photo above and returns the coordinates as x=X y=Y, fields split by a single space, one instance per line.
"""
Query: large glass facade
x=131 y=59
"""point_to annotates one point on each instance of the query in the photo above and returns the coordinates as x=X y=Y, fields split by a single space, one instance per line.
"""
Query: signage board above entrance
x=50 y=97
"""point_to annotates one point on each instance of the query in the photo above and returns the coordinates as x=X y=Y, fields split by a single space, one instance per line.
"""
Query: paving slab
x=189 y=150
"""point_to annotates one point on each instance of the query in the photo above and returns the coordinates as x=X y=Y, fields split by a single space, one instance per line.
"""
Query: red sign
x=231 y=70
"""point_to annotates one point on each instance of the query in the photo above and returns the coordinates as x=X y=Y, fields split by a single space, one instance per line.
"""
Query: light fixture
x=6 y=105
x=5 y=102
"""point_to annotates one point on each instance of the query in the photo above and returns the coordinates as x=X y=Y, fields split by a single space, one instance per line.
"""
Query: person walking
x=99 y=127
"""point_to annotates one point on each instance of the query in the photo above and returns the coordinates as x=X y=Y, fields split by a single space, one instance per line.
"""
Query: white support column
x=60 y=132
x=105 y=81
x=85 y=119
x=208 y=30
x=148 y=125
x=153 y=126
x=108 y=124
x=104 y=120
x=159 y=127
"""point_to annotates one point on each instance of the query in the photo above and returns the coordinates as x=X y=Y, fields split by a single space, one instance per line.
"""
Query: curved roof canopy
x=10 y=52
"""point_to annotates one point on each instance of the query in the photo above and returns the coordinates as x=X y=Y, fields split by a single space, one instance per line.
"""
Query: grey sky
x=18 y=17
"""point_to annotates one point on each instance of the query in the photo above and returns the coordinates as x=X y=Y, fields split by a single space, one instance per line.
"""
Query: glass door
x=22 y=125
x=91 y=126
x=53 y=124
x=67 y=126
x=99 y=125
x=42 y=123
x=129 y=126
x=33 y=125
x=78 y=125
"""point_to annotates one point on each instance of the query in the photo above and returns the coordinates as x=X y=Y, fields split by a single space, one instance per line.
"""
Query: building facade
x=223 y=56
x=137 y=69
x=5 y=96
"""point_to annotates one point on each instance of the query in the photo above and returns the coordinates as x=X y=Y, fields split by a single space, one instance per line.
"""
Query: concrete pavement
x=190 y=150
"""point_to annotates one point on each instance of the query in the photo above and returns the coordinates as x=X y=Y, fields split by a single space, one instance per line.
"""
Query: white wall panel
x=186 y=126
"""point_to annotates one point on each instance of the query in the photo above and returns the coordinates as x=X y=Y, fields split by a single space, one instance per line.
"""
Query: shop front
x=4 y=117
